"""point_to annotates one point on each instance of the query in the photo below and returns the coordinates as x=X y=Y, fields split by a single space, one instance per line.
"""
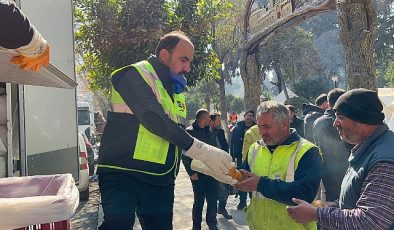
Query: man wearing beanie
x=367 y=193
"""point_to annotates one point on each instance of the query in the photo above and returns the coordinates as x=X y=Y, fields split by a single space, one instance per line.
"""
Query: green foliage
x=193 y=104
x=389 y=75
x=194 y=17
x=200 y=96
x=292 y=52
x=234 y=104
x=310 y=89
x=384 y=43
x=297 y=103
x=111 y=34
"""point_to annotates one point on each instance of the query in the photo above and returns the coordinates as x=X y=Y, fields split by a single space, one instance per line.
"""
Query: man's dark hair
x=333 y=96
x=170 y=40
x=200 y=113
x=291 y=108
x=321 y=99
x=213 y=116
x=249 y=111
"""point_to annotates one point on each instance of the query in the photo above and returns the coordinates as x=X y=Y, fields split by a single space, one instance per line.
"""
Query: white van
x=38 y=125
x=85 y=119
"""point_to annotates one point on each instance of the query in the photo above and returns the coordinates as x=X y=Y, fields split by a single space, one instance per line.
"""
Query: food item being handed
x=319 y=204
x=234 y=173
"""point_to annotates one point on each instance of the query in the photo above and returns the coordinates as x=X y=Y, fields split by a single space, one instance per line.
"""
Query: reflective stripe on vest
x=265 y=213
x=149 y=147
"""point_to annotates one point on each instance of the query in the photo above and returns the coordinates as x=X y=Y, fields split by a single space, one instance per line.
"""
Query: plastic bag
x=33 y=200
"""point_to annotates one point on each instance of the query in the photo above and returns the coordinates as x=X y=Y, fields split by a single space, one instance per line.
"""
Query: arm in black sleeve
x=142 y=101
x=222 y=140
x=15 y=28
x=245 y=165
x=232 y=143
x=187 y=163
x=305 y=185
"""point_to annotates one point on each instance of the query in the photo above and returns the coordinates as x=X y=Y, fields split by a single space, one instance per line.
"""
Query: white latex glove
x=199 y=166
x=216 y=159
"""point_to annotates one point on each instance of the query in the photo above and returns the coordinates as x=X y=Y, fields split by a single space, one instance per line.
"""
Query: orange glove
x=32 y=63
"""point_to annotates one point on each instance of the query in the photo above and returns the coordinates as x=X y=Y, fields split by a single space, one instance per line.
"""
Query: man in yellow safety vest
x=283 y=166
x=142 y=141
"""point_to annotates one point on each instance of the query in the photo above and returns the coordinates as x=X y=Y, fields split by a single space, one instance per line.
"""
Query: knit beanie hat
x=361 y=105
x=249 y=111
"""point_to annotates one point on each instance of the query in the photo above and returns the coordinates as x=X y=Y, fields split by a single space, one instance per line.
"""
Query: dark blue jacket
x=237 y=139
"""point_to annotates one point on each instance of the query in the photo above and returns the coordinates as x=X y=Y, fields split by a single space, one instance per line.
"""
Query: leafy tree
x=225 y=32
x=201 y=96
x=310 y=88
x=389 y=76
x=384 y=43
x=234 y=104
x=331 y=53
x=111 y=34
x=292 y=56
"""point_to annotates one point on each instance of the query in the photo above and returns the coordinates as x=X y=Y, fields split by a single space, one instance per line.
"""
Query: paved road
x=89 y=214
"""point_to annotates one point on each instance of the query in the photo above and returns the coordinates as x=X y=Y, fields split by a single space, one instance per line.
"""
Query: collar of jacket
x=163 y=72
x=197 y=127
x=243 y=124
x=311 y=108
x=330 y=113
x=357 y=150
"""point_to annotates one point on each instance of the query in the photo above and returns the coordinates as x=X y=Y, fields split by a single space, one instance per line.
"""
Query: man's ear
x=164 y=55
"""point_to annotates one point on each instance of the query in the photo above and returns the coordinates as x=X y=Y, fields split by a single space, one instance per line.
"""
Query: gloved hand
x=216 y=159
x=33 y=55
x=198 y=166
x=32 y=63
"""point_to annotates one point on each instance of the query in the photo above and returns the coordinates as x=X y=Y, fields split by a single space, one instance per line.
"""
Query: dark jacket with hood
x=237 y=139
x=203 y=134
x=311 y=113
x=221 y=138
x=298 y=125
x=335 y=154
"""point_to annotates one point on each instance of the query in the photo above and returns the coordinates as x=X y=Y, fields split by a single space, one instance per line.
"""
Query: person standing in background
x=237 y=139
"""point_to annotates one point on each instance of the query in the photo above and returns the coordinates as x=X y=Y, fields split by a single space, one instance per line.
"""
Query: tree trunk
x=357 y=22
x=281 y=81
x=223 y=102
x=251 y=78
x=207 y=101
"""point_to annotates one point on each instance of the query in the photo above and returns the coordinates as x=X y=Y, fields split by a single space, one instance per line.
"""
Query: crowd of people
x=332 y=170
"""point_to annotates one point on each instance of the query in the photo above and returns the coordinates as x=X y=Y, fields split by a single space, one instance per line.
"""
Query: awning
x=48 y=76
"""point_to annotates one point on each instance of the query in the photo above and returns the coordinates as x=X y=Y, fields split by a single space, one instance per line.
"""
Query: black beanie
x=361 y=105
x=249 y=111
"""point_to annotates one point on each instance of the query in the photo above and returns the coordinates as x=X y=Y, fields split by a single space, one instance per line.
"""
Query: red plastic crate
x=60 y=225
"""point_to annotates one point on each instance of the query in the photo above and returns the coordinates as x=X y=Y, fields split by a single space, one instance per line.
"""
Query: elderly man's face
x=272 y=132
x=349 y=130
